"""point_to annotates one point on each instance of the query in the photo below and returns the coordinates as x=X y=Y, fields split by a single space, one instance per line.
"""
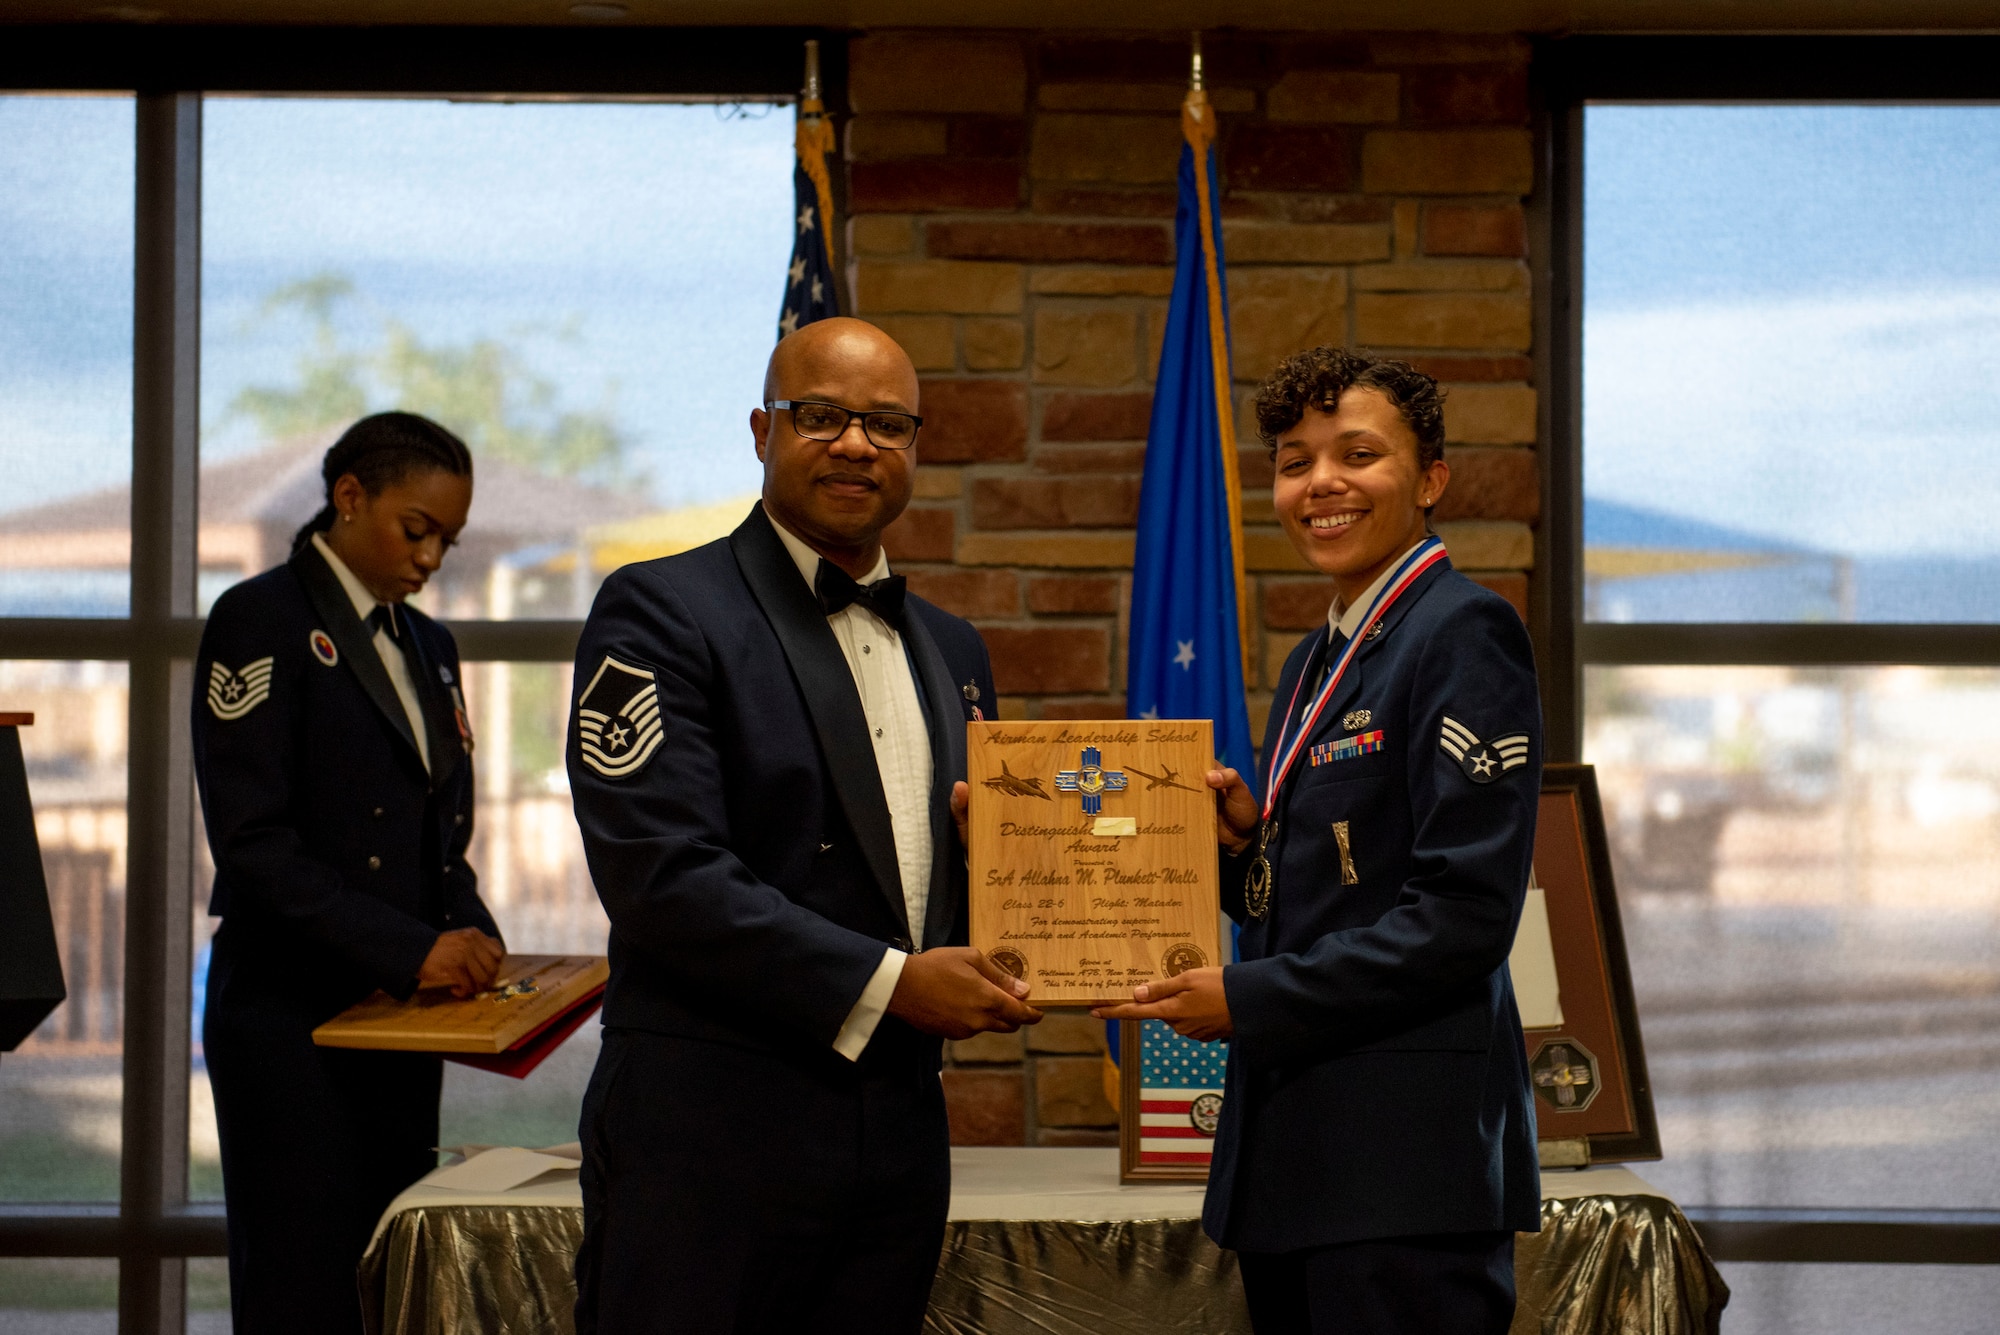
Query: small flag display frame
x=1170 y=1099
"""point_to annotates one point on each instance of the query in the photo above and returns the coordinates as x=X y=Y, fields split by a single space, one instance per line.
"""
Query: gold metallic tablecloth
x=1602 y=1265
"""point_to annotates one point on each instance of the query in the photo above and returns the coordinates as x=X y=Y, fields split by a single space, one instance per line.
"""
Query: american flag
x=1180 y=1096
x=809 y=288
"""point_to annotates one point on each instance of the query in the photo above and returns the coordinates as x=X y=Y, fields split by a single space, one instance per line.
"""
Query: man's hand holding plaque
x=1093 y=854
x=956 y=992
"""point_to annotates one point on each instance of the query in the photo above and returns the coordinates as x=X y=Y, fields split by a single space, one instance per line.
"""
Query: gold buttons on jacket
x=374 y=863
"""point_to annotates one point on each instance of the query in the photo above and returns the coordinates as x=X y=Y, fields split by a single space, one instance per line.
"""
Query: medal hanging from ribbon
x=1298 y=725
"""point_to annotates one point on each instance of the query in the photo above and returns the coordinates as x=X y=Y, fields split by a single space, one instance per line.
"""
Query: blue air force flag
x=1186 y=658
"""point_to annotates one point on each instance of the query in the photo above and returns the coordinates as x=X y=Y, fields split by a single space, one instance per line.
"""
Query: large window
x=65 y=354
x=582 y=291
x=1777 y=307
x=1788 y=416
x=60 y=1092
x=197 y=291
x=1791 y=322
x=1811 y=876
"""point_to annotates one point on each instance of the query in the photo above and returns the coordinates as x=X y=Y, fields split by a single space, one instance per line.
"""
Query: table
x=1048 y=1242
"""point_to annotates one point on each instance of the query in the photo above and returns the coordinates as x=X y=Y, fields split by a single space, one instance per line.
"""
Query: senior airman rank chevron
x=618 y=719
x=231 y=695
x=1347 y=748
x=1483 y=762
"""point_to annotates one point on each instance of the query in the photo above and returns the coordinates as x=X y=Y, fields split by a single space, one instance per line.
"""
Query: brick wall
x=1011 y=203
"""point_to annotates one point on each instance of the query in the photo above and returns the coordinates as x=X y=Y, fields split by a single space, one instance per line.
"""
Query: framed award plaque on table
x=1093 y=854
x=1572 y=983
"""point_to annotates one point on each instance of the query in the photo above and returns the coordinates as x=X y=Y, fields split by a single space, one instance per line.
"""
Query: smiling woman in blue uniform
x=1376 y=1153
x=334 y=759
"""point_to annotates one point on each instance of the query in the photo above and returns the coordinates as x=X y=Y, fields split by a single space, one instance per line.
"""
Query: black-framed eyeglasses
x=828 y=422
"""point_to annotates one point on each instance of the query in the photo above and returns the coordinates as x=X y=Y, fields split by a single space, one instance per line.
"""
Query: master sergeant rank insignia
x=231 y=695
x=618 y=719
x=1483 y=762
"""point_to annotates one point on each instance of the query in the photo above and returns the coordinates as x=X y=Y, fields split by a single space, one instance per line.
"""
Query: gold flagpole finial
x=1194 y=75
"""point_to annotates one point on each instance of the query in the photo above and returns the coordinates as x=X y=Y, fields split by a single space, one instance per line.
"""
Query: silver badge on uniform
x=1483 y=762
x=231 y=695
x=1357 y=718
x=618 y=719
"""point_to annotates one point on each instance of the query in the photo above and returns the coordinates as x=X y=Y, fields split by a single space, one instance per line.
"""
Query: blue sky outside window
x=1791 y=325
x=584 y=291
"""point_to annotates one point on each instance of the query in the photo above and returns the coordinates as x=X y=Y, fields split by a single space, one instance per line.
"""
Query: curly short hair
x=1317 y=377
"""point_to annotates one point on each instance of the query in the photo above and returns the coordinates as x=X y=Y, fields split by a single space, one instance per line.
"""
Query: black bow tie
x=836 y=589
x=383 y=618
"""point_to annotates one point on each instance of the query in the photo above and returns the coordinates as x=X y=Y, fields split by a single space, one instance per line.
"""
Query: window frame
x=153 y=1226
x=1568 y=73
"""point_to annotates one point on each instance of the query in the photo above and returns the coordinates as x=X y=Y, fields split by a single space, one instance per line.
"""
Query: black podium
x=31 y=981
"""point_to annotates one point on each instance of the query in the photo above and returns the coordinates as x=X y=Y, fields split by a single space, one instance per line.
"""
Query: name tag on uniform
x=1346 y=748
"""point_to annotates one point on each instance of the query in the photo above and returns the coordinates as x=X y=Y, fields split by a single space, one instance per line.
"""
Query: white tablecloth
x=1015 y=1183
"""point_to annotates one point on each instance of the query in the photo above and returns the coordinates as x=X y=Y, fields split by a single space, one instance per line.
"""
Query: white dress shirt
x=901 y=735
x=392 y=656
x=1346 y=619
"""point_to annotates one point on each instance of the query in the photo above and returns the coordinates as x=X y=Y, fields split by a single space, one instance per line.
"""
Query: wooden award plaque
x=531 y=992
x=1093 y=854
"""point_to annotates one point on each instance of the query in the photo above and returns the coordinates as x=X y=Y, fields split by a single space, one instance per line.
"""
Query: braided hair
x=381 y=450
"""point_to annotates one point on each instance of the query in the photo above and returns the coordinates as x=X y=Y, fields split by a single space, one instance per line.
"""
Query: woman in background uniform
x=334 y=759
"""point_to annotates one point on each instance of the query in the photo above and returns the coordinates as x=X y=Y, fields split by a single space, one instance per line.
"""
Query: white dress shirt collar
x=357 y=592
x=885 y=687
x=808 y=560
x=386 y=648
x=1347 y=619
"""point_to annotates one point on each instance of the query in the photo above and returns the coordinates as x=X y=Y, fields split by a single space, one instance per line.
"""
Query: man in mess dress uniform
x=766 y=755
x=1376 y=1152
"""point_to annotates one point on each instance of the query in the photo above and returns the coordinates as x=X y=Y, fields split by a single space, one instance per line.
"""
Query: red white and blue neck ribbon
x=1290 y=743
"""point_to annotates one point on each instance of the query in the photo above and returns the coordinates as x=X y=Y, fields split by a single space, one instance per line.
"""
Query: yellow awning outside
x=1635 y=562
x=662 y=533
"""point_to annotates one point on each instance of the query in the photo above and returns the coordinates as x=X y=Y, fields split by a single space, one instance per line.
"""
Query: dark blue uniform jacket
x=337 y=859
x=1377 y=1082
x=749 y=867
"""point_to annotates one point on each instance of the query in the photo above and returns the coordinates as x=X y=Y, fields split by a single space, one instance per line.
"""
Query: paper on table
x=1533 y=964
x=500 y=1169
x=569 y=1149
